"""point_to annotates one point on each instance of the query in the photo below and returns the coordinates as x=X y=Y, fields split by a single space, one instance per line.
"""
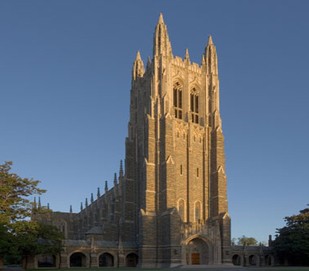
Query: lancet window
x=181 y=209
x=177 y=99
x=194 y=106
x=197 y=207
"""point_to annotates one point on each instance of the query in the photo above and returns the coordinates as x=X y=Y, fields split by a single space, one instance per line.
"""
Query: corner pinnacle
x=187 y=56
x=138 y=56
x=161 y=21
x=210 y=42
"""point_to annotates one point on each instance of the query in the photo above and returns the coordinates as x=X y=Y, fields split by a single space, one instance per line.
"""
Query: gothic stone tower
x=175 y=162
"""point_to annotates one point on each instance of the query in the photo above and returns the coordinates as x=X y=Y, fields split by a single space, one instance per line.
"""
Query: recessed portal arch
x=198 y=252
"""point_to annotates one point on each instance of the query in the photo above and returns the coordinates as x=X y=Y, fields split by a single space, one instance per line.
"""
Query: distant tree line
x=245 y=241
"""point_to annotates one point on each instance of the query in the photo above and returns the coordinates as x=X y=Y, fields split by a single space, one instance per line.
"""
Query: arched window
x=181 y=209
x=197 y=211
x=177 y=100
x=194 y=106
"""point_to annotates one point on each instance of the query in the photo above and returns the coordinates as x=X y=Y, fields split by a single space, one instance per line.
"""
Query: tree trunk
x=25 y=262
x=59 y=265
x=1 y=263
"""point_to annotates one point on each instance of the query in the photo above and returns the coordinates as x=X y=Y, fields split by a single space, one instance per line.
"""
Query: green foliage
x=29 y=238
x=5 y=240
x=20 y=237
x=246 y=241
x=33 y=238
x=292 y=242
x=14 y=193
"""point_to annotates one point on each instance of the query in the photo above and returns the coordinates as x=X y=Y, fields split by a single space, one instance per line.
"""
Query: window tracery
x=177 y=100
x=194 y=105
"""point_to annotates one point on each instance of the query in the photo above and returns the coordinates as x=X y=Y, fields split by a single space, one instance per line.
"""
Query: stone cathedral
x=168 y=206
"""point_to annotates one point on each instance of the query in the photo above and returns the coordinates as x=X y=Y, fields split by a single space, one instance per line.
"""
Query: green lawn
x=210 y=268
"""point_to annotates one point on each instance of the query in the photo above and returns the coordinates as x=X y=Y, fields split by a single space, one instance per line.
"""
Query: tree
x=33 y=238
x=14 y=195
x=246 y=241
x=291 y=245
x=16 y=234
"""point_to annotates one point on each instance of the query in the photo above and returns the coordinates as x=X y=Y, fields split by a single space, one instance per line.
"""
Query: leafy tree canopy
x=292 y=242
x=32 y=238
x=14 y=193
x=20 y=237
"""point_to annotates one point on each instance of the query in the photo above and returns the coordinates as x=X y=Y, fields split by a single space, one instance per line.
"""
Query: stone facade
x=168 y=206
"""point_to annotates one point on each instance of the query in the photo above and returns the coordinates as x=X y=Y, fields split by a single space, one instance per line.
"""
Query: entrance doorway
x=78 y=259
x=197 y=252
x=195 y=258
x=106 y=260
x=131 y=260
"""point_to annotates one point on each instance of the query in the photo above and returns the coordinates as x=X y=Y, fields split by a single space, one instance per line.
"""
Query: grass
x=202 y=268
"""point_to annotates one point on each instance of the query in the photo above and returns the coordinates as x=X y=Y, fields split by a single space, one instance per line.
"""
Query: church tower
x=168 y=206
x=175 y=191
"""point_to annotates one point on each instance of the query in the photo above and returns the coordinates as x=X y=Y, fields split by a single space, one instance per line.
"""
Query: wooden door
x=195 y=258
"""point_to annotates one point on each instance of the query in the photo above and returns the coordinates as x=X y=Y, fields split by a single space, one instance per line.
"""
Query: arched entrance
x=236 y=259
x=197 y=252
x=106 y=260
x=131 y=260
x=78 y=259
x=252 y=260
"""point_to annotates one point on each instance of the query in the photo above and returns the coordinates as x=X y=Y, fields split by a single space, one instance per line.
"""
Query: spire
x=187 y=56
x=161 y=44
x=47 y=206
x=91 y=198
x=98 y=192
x=138 y=56
x=210 y=42
x=86 y=202
x=81 y=206
x=115 y=179
x=106 y=187
x=161 y=21
x=211 y=57
x=71 y=210
x=138 y=67
x=121 y=169
x=34 y=203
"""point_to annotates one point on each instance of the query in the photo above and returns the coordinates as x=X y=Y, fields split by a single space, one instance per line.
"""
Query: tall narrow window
x=194 y=106
x=197 y=211
x=177 y=98
x=181 y=209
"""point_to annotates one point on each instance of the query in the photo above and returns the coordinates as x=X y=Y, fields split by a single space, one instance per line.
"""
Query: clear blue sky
x=65 y=72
